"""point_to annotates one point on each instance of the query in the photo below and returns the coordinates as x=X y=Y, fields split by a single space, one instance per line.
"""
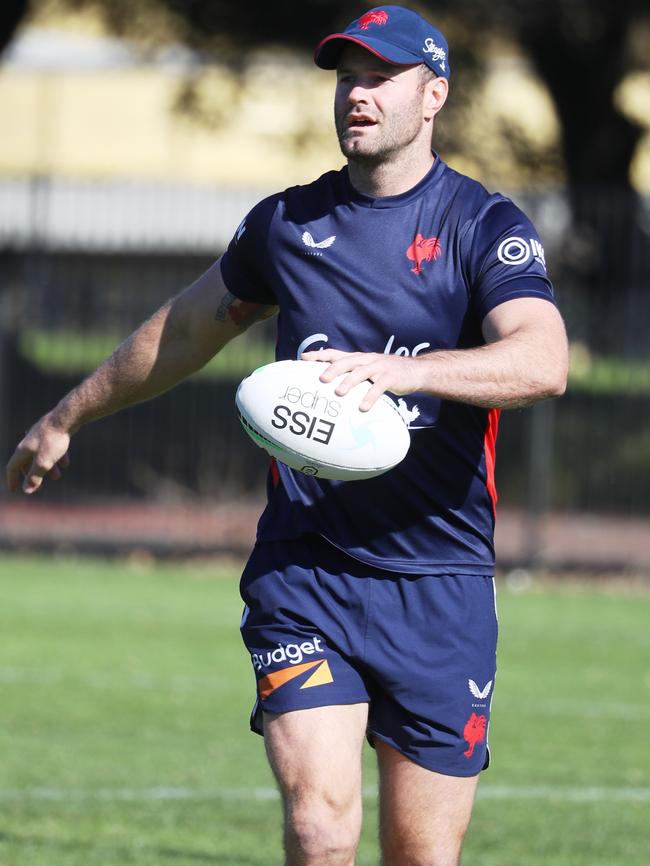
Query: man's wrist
x=63 y=419
x=426 y=367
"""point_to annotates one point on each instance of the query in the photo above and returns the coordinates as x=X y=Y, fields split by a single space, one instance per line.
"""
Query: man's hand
x=393 y=373
x=524 y=359
x=43 y=452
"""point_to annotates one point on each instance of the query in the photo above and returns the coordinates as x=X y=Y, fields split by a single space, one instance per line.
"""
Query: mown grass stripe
x=587 y=794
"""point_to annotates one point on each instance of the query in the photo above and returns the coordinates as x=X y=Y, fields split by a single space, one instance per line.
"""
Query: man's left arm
x=524 y=360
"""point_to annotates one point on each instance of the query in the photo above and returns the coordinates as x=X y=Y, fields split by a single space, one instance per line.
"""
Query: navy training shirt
x=404 y=274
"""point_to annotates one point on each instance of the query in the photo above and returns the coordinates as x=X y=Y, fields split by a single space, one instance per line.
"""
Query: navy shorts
x=324 y=629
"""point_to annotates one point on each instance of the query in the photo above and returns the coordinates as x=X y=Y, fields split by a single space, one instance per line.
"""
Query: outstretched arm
x=525 y=359
x=177 y=340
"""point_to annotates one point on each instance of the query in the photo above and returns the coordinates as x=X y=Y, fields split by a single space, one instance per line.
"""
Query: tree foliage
x=580 y=48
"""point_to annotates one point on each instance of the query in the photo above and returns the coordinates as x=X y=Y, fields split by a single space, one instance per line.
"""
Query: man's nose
x=358 y=93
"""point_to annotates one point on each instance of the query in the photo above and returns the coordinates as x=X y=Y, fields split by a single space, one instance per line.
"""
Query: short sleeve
x=244 y=265
x=506 y=258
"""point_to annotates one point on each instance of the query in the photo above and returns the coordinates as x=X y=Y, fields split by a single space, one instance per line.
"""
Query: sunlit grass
x=124 y=724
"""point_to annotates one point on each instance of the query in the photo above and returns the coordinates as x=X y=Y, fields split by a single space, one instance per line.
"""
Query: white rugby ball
x=288 y=411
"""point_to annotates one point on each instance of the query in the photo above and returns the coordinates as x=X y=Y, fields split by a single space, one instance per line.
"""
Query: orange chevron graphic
x=320 y=677
x=268 y=684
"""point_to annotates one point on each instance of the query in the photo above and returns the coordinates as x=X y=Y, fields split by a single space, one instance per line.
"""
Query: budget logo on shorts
x=294 y=653
x=287 y=652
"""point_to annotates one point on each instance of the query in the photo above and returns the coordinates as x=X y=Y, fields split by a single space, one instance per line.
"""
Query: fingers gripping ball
x=288 y=411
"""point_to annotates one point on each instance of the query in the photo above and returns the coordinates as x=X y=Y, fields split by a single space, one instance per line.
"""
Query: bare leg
x=423 y=815
x=316 y=757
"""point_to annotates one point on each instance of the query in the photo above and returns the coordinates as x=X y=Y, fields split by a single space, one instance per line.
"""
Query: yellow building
x=78 y=104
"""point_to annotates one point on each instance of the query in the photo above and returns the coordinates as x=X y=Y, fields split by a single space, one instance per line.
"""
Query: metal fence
x=82 y=265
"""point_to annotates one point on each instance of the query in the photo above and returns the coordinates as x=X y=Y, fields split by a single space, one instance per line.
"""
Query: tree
x=11 y=14
x=580 y=49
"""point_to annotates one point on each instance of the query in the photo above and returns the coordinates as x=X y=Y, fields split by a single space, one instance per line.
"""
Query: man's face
x=378 y=108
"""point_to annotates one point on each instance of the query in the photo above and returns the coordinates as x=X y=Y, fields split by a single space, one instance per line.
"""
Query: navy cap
x=397 y=35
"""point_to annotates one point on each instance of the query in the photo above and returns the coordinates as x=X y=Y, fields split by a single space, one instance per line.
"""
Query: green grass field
x=124 y=704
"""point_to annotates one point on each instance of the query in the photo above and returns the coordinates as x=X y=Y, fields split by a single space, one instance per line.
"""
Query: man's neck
x=389 y=177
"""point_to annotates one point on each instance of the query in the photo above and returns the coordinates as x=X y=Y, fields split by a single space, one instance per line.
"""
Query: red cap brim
x=326 y=54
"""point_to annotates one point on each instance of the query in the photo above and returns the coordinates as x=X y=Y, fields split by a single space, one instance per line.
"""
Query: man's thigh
x=317 y=750
x=423 y=815
x=315 y=755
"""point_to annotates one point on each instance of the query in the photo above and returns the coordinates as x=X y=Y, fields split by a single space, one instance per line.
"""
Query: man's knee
x=323 y=830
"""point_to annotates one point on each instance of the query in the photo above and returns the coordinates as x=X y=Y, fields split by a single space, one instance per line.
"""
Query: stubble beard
x=386 y=139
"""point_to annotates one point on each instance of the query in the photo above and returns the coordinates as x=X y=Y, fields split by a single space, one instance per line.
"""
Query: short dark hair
x=426 y=75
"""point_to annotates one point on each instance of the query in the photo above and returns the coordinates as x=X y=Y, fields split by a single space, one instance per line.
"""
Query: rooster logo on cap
x=375 y=17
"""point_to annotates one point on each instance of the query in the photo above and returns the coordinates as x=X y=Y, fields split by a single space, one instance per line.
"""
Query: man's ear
x=435 y=95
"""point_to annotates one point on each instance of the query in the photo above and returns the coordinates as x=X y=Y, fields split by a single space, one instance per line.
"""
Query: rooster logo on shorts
x=474 y=732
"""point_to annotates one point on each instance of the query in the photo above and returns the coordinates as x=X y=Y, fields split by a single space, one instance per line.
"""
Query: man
x=369 y=605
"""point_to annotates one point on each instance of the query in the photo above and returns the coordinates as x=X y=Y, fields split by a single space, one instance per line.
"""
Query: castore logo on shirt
x=313 y=246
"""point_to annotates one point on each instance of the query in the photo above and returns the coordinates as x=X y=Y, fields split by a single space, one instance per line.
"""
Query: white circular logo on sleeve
x=513 y=251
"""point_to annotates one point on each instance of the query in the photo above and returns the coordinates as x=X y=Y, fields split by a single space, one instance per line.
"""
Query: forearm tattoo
x=243 y=314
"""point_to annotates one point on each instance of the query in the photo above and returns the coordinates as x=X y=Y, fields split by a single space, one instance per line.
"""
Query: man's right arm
x=180 y=338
